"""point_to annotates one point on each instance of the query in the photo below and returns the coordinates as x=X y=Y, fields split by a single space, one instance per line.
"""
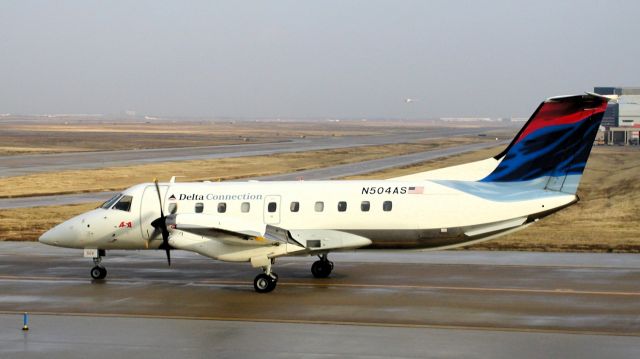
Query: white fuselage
x=392 y=214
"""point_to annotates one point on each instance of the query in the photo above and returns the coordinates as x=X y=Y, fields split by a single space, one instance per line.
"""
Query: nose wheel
x=322 y=268
x=98 y=272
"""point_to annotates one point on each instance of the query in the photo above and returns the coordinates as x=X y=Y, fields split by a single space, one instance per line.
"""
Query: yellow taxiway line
x=324 y=283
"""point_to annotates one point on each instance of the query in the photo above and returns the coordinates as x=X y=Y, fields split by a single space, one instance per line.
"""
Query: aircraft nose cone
x=51 y=237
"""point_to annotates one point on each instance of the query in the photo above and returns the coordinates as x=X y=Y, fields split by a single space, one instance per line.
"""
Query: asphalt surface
x=314 y=174
x=375 y=304
x=26 y=164
x=352 y=169
x=84 y=337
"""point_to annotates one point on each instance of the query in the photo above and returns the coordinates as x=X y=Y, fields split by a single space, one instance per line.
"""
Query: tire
x=264 y=283
x=96 y=273
x=103 y=273
x=321 y=269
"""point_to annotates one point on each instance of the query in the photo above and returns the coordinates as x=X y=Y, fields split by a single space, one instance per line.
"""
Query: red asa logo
x=124 y=224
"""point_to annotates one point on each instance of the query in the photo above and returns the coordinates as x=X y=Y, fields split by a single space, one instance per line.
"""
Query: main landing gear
x=265 y=282
x=98 y=272
x=322 y=268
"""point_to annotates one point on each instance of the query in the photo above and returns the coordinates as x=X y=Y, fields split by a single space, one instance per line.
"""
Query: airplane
x=537 y=174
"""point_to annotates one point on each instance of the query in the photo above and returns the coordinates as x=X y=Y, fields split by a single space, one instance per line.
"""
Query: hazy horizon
x=330 y=59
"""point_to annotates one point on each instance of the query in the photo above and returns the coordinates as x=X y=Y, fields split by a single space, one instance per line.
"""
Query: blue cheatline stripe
x=512 y=191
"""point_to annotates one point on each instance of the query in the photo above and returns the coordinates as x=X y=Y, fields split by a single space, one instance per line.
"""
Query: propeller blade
x=155 y=181
x=161 y=223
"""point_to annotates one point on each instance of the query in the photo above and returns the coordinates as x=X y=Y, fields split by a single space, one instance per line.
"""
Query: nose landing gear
x=98 y=272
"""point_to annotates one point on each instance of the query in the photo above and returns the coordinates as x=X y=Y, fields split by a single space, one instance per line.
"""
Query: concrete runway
x=376 y=304
x=26 y=164
x=313 y=174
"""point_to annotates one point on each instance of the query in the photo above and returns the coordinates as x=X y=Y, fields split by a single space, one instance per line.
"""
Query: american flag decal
x=416 y=190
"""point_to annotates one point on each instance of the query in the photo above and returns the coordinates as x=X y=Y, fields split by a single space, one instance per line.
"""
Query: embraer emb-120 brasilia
x=257 y=222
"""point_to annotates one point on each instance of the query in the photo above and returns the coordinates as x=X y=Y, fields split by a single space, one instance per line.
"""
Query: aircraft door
x=272 y=209
x=150 y=209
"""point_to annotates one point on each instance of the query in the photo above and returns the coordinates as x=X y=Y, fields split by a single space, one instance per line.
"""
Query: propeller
x=161 y=223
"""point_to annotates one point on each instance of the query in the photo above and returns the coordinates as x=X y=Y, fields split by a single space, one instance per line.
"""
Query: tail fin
x=553 y=147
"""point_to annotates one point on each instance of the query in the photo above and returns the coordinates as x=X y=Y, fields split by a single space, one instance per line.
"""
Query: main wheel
x=321 y=269
x=98 y=272
x=103 y=273
x=264 y=283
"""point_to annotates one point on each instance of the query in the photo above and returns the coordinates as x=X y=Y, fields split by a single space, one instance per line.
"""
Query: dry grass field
x=116 y=178
x=606 y=218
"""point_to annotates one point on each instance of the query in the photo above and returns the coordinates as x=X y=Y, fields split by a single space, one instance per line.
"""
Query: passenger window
x=319 y=206
x=342 y=206
x=199 y=207
x=386 y=206
x=245 y=207
x=271 y=207
x=365 y=206
x=173 y=208
x=295 y=206
x=222 y=207
x=124 y=204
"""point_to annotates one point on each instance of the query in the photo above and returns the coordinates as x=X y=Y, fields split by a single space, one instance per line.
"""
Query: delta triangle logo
x=172 y=197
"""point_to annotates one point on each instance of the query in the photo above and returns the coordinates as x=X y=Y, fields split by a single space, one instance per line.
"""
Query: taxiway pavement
x=313 y=174
x=375 y=304
x=25 y=164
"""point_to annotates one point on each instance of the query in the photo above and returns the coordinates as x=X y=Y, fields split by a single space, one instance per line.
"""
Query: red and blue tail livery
x=554 y=145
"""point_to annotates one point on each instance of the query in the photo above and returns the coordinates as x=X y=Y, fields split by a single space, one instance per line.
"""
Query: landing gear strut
x=98 y=272
x=265 y=282
x=322 y=268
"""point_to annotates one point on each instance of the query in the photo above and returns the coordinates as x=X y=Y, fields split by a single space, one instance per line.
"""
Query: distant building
x=626 y=113
x=622 y=119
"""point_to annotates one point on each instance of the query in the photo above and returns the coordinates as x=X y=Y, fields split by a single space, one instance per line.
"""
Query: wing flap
x=321 y=240
x=225 y=238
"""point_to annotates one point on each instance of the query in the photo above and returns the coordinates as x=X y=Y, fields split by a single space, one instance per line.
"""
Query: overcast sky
x=311 y=58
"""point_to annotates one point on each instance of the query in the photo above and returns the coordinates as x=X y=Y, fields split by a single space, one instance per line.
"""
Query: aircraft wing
x=219 y=227
x=224 y=238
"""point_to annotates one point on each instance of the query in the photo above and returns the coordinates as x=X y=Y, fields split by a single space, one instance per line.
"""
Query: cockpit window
x=124 y=204
x=111 y=201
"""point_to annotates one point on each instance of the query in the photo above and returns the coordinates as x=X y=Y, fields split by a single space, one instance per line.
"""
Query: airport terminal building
x=622 y=119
